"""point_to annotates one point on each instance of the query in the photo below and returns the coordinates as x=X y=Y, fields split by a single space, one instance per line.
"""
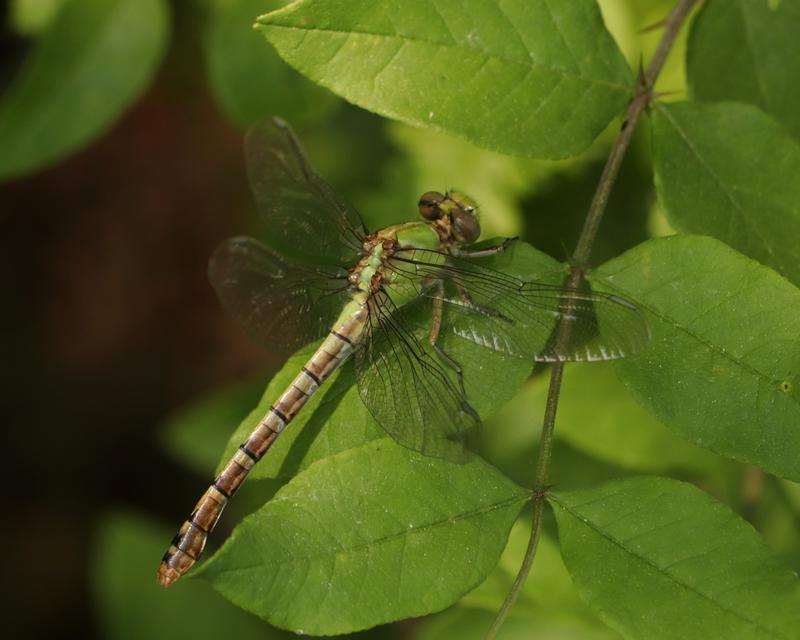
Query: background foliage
x=675 y=507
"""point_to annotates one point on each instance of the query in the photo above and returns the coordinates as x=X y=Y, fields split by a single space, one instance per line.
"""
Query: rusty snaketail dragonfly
x=323 y=276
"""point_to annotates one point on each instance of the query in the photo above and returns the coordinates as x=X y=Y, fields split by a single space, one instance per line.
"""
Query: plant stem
x=641 y=99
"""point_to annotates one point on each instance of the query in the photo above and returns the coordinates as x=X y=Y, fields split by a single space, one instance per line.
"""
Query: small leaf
x=659 y=558
x=749 y=52
x=94 y=59
x=370 y=535
x=525 y=77
x=248 y=78
x=131 y=604
x=722 y=365
x=729 y=171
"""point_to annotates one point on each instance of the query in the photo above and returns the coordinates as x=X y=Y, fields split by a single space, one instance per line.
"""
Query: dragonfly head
x=456 y=211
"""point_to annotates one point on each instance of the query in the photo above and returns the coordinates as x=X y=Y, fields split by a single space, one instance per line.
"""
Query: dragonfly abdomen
x=190 y=540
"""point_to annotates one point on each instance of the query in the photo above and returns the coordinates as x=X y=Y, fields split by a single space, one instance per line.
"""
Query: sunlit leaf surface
x=661 y=559
x=373 y=534
x=526 y=77
x=722 y=365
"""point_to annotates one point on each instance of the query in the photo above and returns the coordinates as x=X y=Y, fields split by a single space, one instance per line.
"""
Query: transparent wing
x=306 y=219
x=512 y=316
x=281 y=305
x=407 y=389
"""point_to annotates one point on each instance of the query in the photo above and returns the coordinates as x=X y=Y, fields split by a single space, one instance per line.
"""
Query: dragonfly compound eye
x=429 y=205
x=466 y=227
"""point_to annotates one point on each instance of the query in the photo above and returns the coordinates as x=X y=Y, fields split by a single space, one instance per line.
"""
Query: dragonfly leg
x=466 y=301
x=489 y=251
x=436 y=325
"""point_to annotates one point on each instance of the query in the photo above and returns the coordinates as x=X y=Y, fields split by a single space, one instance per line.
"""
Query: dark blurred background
x=109 y=325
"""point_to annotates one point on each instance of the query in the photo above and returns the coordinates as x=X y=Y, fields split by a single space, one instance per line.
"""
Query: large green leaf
x=130 y=603
x=93 y=60
x=373 y=534
x=335 y=419
x=748 y=50
x=722 y=364
x=729 y=171
x=658 y=558
x=248 y=78
x=526 y=77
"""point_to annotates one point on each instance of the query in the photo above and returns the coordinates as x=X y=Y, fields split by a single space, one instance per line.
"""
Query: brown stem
x=580 y=259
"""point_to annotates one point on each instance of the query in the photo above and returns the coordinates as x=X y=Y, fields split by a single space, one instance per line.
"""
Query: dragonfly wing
x=519 y=318
x=306 y=219
x=282 y=305
x=406 y=387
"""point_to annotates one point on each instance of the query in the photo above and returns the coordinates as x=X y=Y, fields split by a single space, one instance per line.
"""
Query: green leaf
x=133 y=606
x=658 y=558
x=248 y=78
x=721 y=367
x=525 y=77
x=335 y=419
x=370 y=535
x=748 y=51
x=95 y=58
x=729 y=171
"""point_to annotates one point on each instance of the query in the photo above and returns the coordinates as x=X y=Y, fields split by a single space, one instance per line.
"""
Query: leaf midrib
x=460 y=47
x=407 y=532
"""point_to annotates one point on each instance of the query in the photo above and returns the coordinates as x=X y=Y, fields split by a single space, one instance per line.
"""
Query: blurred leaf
x=373 y=534
x=548 y=604
x=133 y=606
x=335 y=419
x=96 y=57
x=748 y=51
x=637 y=27
x=30 y=17
x=555 y=210
x=597 y=415
x=721 y=367
x=729 y=171
x=248 y=78
x=661 y=559
x=466 y=623
x=548 y=592
x=442 y=162
x=523 y=64
x=196 y=433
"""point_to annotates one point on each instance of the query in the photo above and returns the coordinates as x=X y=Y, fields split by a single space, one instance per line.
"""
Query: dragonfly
x=323 y=276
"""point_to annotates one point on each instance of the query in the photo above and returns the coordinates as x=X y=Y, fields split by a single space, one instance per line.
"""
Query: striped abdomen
x=188 y=544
